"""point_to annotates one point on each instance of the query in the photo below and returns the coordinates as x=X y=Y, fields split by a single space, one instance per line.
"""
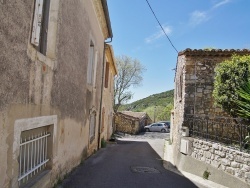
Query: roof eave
x=106 y=12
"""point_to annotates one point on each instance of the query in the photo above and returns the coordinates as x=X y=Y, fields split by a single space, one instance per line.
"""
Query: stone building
x=131 y=122
x=194 y=81
x=51 y=71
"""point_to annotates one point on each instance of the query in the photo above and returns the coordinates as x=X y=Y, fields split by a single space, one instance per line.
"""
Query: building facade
x=51 y=62
x=193 y=98
x=110 y=71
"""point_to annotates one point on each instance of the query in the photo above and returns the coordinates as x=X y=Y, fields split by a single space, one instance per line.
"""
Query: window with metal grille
x=34 y=153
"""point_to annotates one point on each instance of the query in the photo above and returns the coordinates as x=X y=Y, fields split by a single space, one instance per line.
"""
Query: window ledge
x=41 y=181
x=35 y=55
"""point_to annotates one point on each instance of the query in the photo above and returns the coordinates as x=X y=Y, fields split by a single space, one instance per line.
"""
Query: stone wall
x=194 y=81
x=131 y=122
x=126 y=124
x=198 y=88
x=228 y=160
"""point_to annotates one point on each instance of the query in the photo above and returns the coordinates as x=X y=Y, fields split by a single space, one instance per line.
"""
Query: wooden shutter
x=37 y=21
x=107 y=75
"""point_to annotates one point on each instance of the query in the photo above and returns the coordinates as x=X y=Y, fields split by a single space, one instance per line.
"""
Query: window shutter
x=107 y=75
x=90 y=64
x=37 y=22
x=95 y=66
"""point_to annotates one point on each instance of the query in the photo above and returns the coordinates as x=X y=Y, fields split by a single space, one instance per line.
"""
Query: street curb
x=168 y=161
x=168 y=164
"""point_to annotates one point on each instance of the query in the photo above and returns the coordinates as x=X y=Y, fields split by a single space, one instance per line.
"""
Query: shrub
x=206 y=174
x=103 y=143
x=243 y=101
x=230 y=75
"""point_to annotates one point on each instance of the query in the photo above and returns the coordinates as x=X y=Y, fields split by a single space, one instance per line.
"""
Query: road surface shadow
x=127 y=164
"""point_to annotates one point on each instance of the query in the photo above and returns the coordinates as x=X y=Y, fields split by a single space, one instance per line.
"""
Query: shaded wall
x=34 y=85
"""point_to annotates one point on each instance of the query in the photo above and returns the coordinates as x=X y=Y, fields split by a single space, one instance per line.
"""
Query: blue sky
x=195 y=24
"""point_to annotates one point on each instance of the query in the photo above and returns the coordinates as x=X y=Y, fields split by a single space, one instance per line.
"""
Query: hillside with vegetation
x=158 y=106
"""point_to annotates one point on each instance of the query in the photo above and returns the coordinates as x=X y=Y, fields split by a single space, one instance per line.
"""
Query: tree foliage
x=230 y=75
x=243 y=102
x=129 y=75
x=165 y=113
x=159 y=99
x=159 y=113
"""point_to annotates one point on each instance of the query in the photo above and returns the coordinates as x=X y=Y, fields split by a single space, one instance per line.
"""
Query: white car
x=157 y=127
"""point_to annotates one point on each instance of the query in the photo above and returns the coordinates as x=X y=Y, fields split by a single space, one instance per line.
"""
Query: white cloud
x=223 y=2
x=198 y=17
x=159 y=34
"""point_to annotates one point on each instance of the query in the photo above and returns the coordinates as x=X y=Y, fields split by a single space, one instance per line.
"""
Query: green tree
x=166 y=113
x=129 y=74
x=150 y=112
x=159 y=113
x=230 y=75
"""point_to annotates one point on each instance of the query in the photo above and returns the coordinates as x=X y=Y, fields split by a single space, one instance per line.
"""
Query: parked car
x=157 y=127
x=166 y=122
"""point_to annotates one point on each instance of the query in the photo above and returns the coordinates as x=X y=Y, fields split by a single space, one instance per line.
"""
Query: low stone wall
x=228 y=160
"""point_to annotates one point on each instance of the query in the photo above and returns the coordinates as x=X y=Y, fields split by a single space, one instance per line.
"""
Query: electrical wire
x=161 y=26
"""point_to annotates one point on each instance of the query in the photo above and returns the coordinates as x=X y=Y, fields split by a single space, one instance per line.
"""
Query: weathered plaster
x=34 y=86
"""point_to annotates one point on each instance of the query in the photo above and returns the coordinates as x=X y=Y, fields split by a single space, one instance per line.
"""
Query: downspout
x=100 y=111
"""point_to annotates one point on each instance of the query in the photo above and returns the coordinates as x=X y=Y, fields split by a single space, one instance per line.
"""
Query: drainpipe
x=100 y=111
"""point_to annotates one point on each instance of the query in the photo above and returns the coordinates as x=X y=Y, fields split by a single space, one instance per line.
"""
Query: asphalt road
x=133 y=162
x=148 y=135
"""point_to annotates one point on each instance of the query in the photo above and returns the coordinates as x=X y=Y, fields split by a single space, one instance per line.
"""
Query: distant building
x=108 y=95
x=131 y=122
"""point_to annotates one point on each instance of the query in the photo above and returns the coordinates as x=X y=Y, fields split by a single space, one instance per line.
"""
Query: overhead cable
x=161 y=27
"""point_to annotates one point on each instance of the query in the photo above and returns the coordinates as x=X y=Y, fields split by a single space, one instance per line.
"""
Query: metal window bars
x=33 y=156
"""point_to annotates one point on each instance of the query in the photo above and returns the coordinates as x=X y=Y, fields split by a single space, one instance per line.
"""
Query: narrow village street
x=132 y=162
x=81 y=78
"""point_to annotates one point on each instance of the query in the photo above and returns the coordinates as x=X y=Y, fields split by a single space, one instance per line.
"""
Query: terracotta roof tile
x=134 y=114
x=213 y=52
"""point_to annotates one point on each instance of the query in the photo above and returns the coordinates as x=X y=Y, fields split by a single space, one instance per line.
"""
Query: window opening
x=34 y=153
x=90 y=63
x=107 y=75
x=40 y=25
x=92 y=124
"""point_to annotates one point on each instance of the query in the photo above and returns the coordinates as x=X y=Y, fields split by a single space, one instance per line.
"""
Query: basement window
x=33 y=149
